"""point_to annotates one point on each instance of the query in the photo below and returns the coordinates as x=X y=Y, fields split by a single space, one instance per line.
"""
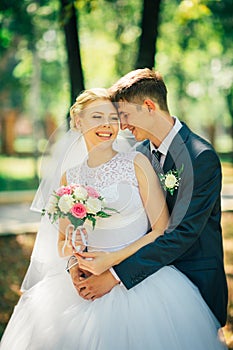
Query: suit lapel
x=176 y=156
x=177 y=152
x=176 y=148
x=168 y=163
x=145 y=149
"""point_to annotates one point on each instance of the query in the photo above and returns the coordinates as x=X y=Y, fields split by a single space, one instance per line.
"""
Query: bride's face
x=99 y=123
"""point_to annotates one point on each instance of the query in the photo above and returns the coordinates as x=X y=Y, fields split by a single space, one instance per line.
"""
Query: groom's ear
x=149 y=104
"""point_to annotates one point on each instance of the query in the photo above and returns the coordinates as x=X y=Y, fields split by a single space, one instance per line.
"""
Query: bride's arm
x=156 y=208
x=152 y=196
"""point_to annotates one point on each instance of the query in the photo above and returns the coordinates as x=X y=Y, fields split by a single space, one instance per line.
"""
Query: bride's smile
x=104 y=135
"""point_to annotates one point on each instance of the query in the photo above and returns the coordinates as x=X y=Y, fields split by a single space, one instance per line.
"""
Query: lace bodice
x=116 y=181
x=119 y=168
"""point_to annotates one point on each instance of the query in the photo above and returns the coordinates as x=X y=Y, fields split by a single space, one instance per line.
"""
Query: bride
x=165 y=311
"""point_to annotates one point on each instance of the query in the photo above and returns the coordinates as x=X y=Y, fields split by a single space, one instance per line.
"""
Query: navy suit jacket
x=193 y=240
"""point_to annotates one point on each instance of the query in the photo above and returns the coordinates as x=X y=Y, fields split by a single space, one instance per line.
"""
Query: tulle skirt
x=165 y=311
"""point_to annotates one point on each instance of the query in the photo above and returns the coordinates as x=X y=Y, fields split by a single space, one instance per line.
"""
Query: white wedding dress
x=165 y=311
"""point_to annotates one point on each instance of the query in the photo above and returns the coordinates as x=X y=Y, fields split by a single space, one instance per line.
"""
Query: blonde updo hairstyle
x=83 y=100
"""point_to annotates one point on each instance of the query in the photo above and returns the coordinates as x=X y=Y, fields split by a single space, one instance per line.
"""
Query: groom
x=193 y=241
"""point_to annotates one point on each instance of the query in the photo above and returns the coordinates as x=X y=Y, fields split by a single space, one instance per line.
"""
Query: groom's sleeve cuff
x=113 y=272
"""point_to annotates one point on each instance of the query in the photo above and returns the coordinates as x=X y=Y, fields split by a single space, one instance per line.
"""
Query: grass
x=15 y=251
x=10 y=184
x=17 y=174
x=18 y=167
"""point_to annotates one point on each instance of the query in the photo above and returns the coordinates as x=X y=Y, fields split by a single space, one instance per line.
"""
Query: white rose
x=93 y=205
x=170 y=181
x=80 y=193
x=65 y=203
x=51 y=206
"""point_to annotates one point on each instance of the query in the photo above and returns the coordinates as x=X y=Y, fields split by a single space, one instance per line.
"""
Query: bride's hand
x=95 y=262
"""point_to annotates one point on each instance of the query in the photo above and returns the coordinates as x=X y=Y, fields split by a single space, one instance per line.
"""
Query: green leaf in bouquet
x=111 y=209
x=75 y=221
x=102 y=214
x=56 y=216
x=92 y=219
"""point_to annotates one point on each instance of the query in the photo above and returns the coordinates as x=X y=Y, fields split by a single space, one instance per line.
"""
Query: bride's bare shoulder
x=141 y=160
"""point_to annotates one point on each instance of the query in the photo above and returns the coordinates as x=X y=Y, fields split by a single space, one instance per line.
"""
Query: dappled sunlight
x=15 y=251
x=227 y=171
x=15 y=288
x=26 y=242
x=227 y=225
x=228 y=249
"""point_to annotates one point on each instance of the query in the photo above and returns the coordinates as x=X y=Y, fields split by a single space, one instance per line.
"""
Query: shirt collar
x=164 y=146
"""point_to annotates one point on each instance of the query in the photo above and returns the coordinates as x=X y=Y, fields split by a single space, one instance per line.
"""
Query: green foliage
x=194 y=53
x=27 y=27
x=11 y=184
x=197 y=64
x=17 y=174
x=109 y=31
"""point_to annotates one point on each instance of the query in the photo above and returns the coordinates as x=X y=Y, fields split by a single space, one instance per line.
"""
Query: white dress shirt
x=164 y=146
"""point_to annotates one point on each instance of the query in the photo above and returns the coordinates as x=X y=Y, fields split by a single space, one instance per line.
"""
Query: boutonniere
x=171 y=180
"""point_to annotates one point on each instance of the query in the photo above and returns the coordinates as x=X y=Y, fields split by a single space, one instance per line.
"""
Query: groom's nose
x=123 y=121
x=123 y=125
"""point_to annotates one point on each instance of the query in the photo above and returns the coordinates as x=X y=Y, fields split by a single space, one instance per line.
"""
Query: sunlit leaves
x=192 y=10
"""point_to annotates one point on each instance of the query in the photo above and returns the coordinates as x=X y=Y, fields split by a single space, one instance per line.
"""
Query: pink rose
x=78 y=210
x=64 y=190
x=92 y=192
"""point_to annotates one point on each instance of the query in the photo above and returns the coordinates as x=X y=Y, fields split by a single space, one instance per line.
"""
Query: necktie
x=157 y=154
x=155 y=161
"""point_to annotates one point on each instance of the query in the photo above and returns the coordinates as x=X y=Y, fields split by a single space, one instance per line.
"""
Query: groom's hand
x=78 y=275
x=94 y=287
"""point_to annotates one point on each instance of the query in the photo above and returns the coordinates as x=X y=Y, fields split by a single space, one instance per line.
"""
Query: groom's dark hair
x=138 y=85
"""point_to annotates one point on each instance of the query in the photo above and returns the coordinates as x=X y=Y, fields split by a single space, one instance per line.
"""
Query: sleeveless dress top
x=116 y=181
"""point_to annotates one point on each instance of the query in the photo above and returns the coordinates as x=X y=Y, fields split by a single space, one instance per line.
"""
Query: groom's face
x=136 y=118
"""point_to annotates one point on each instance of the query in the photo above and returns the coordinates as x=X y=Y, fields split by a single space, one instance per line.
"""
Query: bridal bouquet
x=78 y=203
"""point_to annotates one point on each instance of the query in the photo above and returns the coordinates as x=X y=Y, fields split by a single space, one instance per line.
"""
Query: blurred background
x=50 y=50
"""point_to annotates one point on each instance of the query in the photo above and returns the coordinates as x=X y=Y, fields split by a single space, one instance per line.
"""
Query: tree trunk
x=34 y=108
x=8 y=131
x=70 y=25
x=147 y=45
